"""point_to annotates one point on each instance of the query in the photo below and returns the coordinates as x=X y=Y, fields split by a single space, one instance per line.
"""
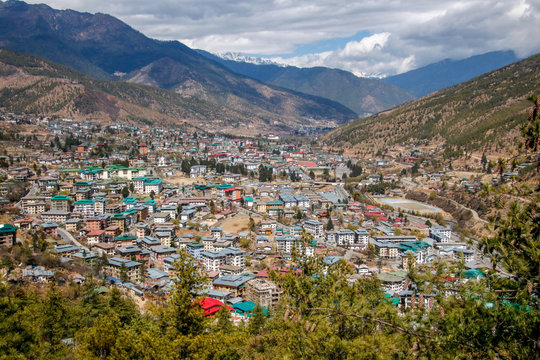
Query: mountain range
x=105 y=48
x=482 y=113
x=364 y=96
x=446 y=73
x=169 y=80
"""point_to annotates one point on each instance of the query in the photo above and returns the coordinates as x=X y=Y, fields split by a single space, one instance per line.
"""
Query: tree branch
x=382 y=322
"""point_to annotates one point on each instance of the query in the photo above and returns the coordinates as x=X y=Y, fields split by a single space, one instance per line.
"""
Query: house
x=387 y=250
x=66 y=250
x=440 y=234
x=95 y=236
x=158 y=253
x=119 y=221
x=98 y=222
x=50 y=228
x=232 y=283
x=211 y=306
x=285 y=244
x=154 y=185
x=104 y=248
x=124 y=240
x=361 y=239
x=345 y=237
x=198 y=171
x=113 y=231
x=162 y=218
x=74 y=225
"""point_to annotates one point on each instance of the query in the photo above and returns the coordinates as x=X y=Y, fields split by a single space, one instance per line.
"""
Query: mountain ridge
x=448 y=72
x=482 y=113
x=102 y=46
x=363 y=95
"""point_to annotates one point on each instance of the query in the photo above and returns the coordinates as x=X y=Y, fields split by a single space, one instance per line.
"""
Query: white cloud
x=405 y=34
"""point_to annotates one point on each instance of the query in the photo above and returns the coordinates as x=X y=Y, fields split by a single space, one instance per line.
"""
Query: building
x=123 y=269
x=8 y=235
x=387 y=250
x=285 y=244
x=95 y=237
x=440 y=234
x=314 y=228
x=361 y=239
x=232 y=283
x=197 y=171
x=195 y=249
x=263 y=292
x=86 y=207
x=392 y=283
x=57 y=216
x=61 y=203
x=154 y=185
x=345 y=237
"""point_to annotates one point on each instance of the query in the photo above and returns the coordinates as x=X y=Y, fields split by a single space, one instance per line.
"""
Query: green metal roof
x=7 y=228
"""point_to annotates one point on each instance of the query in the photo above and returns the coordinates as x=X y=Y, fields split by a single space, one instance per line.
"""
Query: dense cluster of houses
x=127 y=216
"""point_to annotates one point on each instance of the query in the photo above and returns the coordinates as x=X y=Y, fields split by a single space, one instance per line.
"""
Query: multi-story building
x=387 y=250
x=440 y=234
x=123 y=268
x=361 y=239
x=345 y=237
x=195 y=249
x=154 y=185
x=86 y=207
x=138 y=184
x=8 y=235
x=61 y=203
x=285 y=244
x=57 y=216
x=263 y=292
x=314 y=227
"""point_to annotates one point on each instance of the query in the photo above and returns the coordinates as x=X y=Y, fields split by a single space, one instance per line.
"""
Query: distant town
x=118 y=203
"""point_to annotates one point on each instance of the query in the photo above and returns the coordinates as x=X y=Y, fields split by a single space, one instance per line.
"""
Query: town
x=118 y=203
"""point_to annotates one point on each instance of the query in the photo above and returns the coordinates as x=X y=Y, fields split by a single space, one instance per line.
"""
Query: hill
x=364 y=96
x=105 y=48
x=40 y=87
x=484 y=112
x=443 y=74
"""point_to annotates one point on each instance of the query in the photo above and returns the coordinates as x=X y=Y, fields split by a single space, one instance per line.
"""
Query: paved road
x=65 y=235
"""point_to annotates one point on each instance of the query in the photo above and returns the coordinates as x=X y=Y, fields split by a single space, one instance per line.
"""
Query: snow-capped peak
x=239 y=57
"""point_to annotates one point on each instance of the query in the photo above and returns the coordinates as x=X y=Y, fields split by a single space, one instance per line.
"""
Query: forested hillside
x=483 y=113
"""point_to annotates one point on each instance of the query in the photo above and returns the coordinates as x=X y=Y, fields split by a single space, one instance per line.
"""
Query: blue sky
x=323 y=45
x=366 y=37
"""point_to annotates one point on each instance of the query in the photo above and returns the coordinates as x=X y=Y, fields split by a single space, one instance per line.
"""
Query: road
x=65 y=235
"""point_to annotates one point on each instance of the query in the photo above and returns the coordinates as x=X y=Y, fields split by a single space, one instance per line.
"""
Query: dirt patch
x=183 y=180
x=237 y=223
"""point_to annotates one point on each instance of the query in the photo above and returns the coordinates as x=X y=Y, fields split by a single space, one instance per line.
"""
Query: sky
x=366 y=37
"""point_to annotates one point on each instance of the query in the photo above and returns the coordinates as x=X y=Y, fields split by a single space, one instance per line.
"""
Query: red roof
x=95 y=233
x=262 y=274
x=211 y=306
